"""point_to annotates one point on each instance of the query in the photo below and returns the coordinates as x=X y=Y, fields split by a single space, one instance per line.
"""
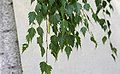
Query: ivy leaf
x=45 y=68
x=83 y=30
x=104 y=39
x=86 y=6
x=31 y=16
x=40 y=31
x=24 y=47
x=68 y=50
x=93 y=40
x=32 y=33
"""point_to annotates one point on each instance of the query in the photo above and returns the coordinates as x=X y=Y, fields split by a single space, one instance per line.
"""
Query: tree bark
x=9 y=49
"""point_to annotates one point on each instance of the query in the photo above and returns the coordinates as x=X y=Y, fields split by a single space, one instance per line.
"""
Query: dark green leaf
x=32 y=33
x=24 y=47
x=68 y=50
x=45 y=68
x=87 y=6
x=109 y=33
x=95 y=17
x=104 y=4
x=32 y=1
x=31 y=16
x=39 y=18
x=40 y=31
x=104 y=39
x=83 y=30
x=113 y=57
x=93 y=40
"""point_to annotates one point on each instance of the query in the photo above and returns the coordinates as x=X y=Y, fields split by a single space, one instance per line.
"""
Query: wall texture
x=84 y=61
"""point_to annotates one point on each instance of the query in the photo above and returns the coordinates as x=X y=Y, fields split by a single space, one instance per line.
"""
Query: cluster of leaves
x=64 y=17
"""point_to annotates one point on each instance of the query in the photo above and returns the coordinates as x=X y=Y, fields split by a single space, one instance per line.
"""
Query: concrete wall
x=84 y=61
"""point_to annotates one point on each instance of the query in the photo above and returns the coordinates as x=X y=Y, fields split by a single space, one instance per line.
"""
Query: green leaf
x=32 y=1
x=39 y=18
x=45 y=68
x=84 y=1
x=32 y=33
x=24 y=47
x=68 y=50
x=104 y=39
x=31 y=16
x=87 y=6
x=54 y=19
x=51 y=2
x=63 y=26
x=108 y=23
x=108 y=13
x=40 y=31
x=98 y=2
x=83 y=30
x=77 y=7
x=109 y=33
x=42 y=51
x=54 y=49
x=86 y=23
x=104 y=4
x=95 y=17
x=113 y=57
x=38 y=8
x=114 y=50
x=70 y=40
x=93 y=40
x=109 y=1
x=69 y=10
x=40 y=40
x=44 y=9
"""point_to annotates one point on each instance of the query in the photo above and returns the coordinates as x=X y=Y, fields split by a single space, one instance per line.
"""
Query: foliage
x=63 y=17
